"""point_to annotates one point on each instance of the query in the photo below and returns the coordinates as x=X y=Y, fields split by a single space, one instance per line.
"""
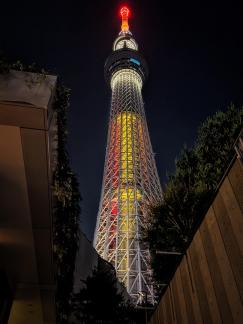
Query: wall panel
x=207 y=286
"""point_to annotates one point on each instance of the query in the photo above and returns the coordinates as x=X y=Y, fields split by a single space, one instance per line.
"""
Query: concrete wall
x=208 y=284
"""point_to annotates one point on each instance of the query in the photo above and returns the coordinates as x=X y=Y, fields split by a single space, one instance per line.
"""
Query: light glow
x=125 y=76
x=125 y=13
x=126 y=194
x=134 y=61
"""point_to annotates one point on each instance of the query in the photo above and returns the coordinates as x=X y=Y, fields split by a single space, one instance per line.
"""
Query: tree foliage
x=100 y=302
x=66 y=212
x=190 y=189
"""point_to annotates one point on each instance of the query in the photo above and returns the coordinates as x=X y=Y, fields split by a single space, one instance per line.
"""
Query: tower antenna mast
x=125 y=13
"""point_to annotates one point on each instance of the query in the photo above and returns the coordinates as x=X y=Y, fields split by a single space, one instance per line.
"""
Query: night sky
x=194 y=53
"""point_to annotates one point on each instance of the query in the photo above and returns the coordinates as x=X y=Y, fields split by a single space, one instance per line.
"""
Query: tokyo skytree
x=130 y=181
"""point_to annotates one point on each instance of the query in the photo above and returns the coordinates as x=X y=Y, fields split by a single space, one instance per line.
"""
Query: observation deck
x=125 y=58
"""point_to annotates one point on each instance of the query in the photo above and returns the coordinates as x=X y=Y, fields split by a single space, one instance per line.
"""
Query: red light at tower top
x=125 y=13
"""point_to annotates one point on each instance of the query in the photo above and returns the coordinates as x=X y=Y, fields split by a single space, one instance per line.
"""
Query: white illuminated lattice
x=122 y=42
x=130 y=185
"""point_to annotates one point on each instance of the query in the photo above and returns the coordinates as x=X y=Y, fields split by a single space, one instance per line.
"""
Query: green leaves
x=67 y=211
x=189 y=191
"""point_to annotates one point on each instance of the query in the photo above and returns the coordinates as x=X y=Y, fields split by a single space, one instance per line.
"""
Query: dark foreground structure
x=27 y=162
x=207 y=286
x=29 y=157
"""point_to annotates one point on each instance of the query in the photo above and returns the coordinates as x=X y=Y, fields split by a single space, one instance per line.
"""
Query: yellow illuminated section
x=127 y=121
x=128 y=194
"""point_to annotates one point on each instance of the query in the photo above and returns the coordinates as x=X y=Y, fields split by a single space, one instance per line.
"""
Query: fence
x=207 y=286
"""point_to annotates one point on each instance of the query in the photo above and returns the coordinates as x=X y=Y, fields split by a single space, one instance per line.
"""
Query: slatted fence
x=208 y=284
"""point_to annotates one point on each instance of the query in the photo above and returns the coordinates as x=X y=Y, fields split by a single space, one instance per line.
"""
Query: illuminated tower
x=130 y=182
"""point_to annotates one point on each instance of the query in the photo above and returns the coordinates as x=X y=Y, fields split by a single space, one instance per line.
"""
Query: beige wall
x=27 y=132
x=208 y=284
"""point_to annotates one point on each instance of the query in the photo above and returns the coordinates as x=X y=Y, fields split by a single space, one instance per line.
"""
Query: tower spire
x=130 y=182
x=125 y=13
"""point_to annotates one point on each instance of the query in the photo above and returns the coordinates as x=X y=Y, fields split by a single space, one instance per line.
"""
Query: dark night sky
x=194 y=53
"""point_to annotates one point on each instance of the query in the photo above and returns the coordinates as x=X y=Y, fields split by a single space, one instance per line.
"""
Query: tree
x=100 y=302
x=189 y=191
x=214 y=144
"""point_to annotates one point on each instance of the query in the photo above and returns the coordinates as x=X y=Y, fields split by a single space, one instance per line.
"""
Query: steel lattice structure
x=130 y=182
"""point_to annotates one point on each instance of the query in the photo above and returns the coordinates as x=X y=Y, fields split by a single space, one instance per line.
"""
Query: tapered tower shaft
x=130 y=182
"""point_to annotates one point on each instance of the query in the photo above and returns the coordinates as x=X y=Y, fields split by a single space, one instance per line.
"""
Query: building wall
x=208 y=284
x=27 y=159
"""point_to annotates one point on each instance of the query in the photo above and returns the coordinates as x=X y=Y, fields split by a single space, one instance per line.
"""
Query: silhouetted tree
x=100 y=302
x=188 y=192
